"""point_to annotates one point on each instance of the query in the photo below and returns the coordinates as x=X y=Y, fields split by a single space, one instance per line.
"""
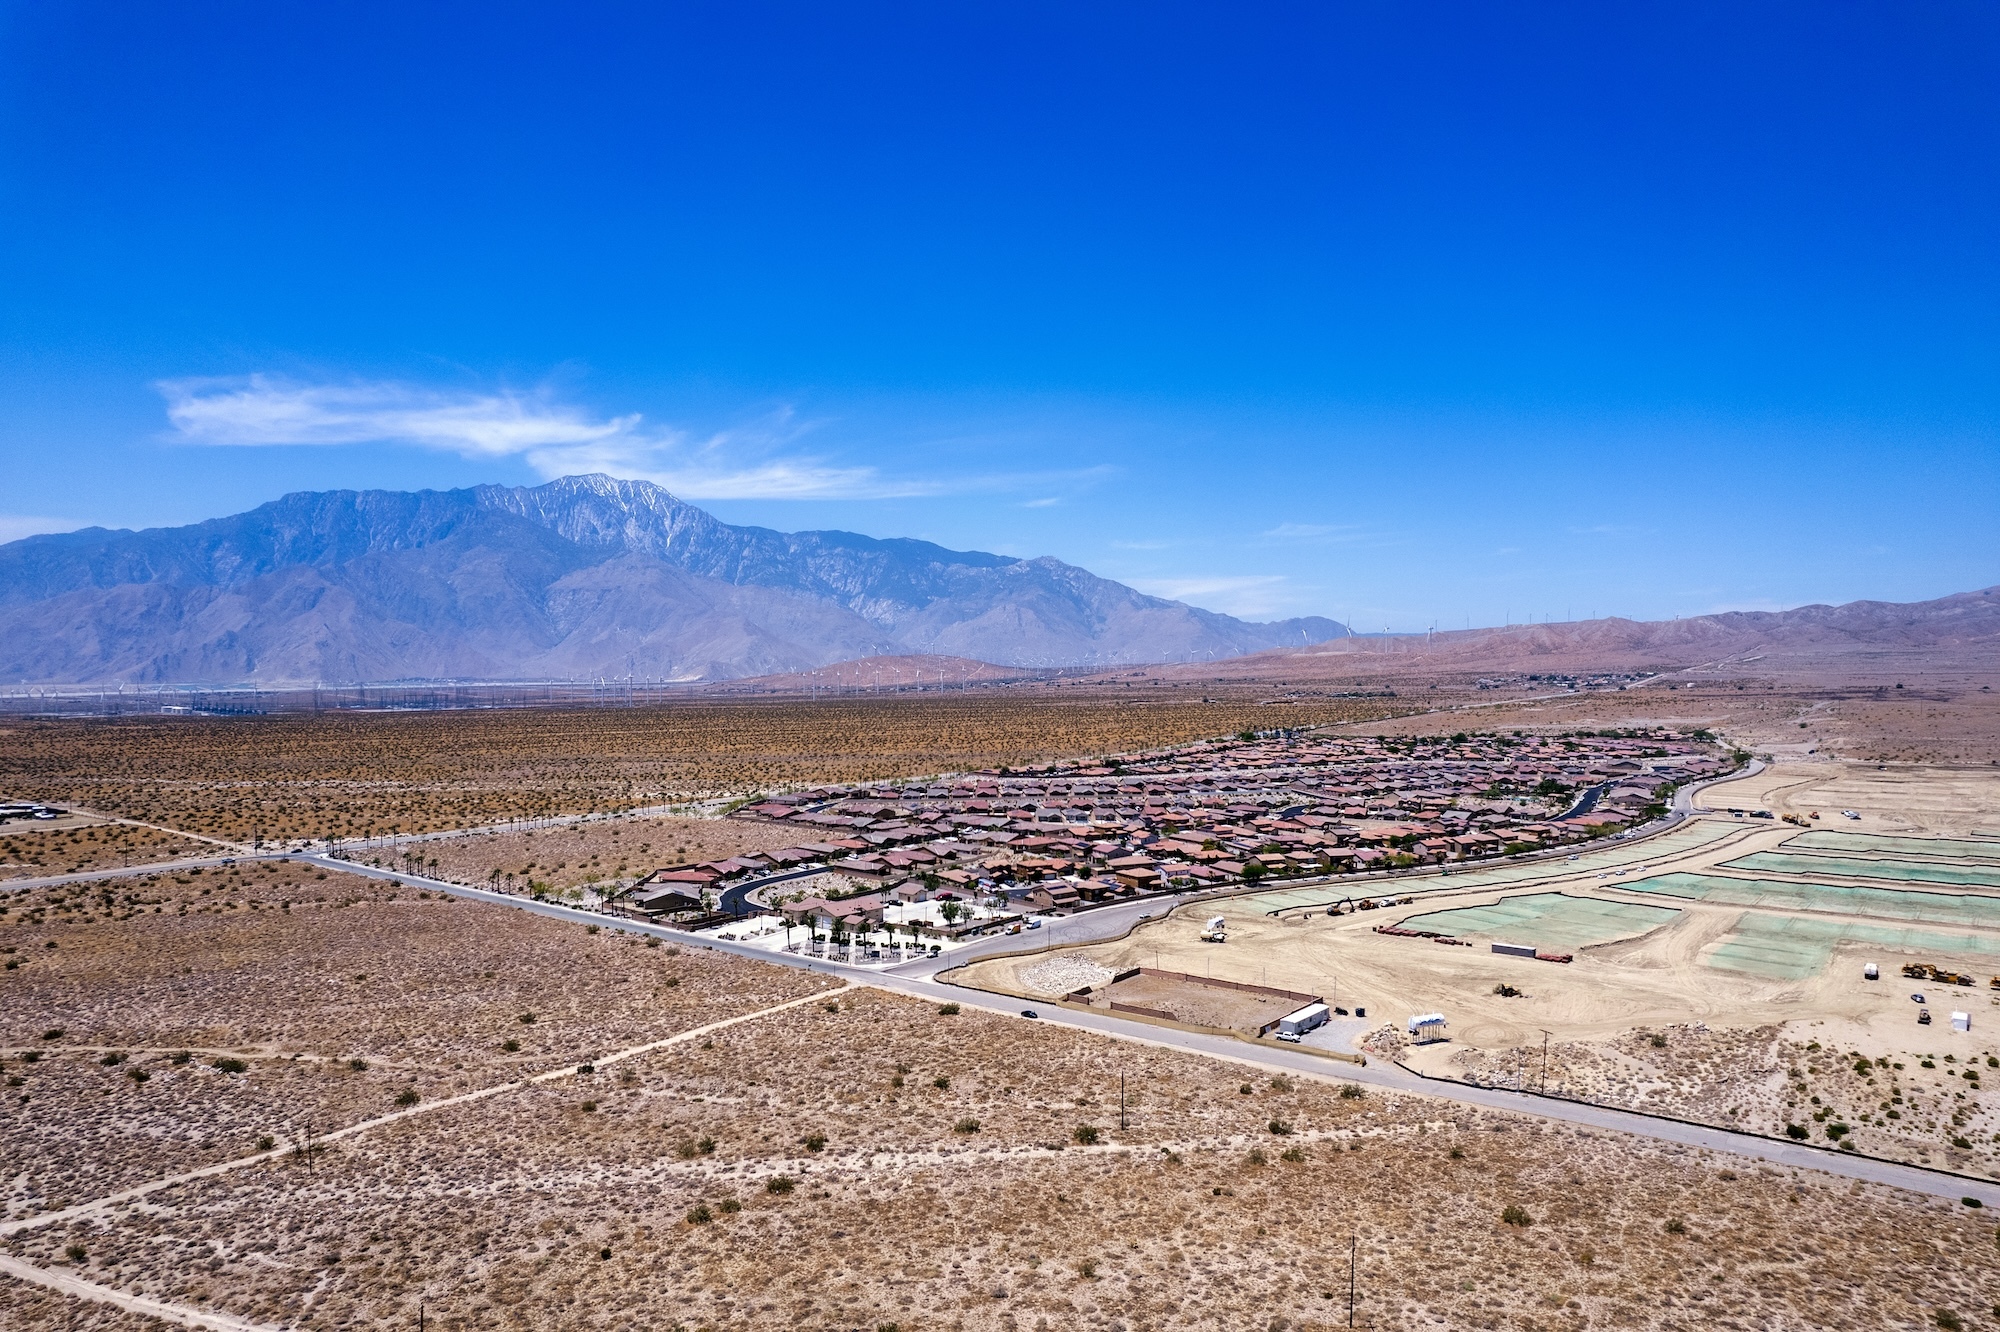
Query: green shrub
x=408 y=1096
x=948 y=1010
x=1516 y=1215
x=1086 y=1135
x=1352 y=1091
x=966 y=1126
x=228 y=1065
x=780 y=1184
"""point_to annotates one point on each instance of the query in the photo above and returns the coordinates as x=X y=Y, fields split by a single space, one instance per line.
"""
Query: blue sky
x=1407 y=313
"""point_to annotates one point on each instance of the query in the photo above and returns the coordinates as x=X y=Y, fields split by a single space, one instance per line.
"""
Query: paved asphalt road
x=917 y=979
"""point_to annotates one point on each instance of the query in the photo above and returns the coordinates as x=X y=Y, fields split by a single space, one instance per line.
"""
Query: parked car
x=1029 y=1013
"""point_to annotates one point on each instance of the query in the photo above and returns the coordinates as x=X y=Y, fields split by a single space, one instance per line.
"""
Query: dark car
x=1029 y=1013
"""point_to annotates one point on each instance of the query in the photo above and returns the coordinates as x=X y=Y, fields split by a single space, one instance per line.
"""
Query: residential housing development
x=1262 y=806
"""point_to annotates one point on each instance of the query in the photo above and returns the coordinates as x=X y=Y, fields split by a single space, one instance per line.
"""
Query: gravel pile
x=1060 y=975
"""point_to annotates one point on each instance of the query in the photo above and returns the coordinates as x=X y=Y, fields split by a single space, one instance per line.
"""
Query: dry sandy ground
x=597 y=852
x=298 y=975
x=30 y=851
x=27 y=1306
x=948 y=1189
x=1901 y=1095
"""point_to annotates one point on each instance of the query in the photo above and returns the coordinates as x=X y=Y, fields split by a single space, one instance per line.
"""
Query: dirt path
x=76 y=1286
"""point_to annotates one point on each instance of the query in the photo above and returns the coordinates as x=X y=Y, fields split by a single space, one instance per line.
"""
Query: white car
x=1289 y=1037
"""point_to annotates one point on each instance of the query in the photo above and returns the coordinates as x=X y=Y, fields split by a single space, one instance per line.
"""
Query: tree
x=951 y=911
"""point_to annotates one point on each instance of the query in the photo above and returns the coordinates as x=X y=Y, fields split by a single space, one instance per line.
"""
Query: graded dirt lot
x=869 y=1162
x=1343 y=959
x=371 y=774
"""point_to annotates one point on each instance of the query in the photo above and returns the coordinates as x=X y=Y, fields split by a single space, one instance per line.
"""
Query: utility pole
x=1545 y=1061
x=1353 y=1244
x=1121 y=1102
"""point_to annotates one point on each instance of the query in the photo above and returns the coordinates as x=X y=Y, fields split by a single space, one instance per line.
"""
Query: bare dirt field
x=166 y=1022
x=369 y=774
x=1197 y=1003
x=870 y=1163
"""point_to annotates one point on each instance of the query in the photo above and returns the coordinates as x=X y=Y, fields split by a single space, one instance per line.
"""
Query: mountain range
x=585 y=576
x=1957 y=632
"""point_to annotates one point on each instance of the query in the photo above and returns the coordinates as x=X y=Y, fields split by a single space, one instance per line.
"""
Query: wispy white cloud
x=1233 y=594
x=1312 y=532
x=14 y=526
x=553 y=437
x=1048 y=502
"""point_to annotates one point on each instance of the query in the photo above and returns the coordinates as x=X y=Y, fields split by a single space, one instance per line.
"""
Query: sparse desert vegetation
x=1852 y=1091
x=566 y=856
x=268 y=999
x=751 y=1181
x=32 y=853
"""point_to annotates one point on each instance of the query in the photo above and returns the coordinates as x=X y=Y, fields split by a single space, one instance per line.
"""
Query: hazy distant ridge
x=583 y=576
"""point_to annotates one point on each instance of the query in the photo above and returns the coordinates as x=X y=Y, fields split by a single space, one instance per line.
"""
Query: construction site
x=1765 y=910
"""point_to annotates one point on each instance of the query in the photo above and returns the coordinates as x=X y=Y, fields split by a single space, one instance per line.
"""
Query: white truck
x=1216 y=931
